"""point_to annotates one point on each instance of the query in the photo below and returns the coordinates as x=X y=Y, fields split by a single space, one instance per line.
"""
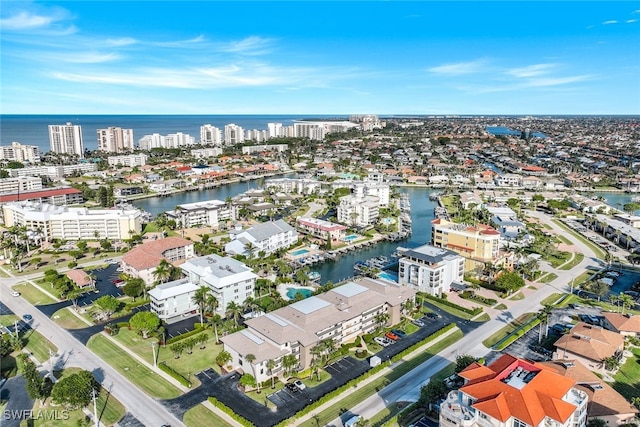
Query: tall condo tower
x=66 y=139
x=115 y=140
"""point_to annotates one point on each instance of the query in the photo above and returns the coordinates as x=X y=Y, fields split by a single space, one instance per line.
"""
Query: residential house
x=80 y=278
x=623 y=324
x=589 y=344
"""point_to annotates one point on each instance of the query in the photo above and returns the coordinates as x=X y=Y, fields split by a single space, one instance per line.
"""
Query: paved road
x=407 y=388
x=148 y=411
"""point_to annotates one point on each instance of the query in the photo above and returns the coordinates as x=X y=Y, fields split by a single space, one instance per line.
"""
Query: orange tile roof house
x=141 y=261
x=512 y=392
x=624 y=324
x=589 y=344
x=80 y=278
x=604 y=402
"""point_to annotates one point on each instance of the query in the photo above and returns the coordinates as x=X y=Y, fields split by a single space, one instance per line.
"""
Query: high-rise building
x=115 y=140
x=20 y=153
x=275 y=130
x=210 y=135
x=148 y=142
x=66 y=139
x=233 y=134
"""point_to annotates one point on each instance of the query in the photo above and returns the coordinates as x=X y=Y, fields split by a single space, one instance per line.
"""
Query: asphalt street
x=407 y=388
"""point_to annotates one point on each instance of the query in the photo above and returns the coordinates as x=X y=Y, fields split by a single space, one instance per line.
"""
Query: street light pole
x=95 y=409
x=153 y=348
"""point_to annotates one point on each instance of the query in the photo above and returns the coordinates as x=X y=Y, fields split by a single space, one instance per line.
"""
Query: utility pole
x=95 y=409
x=153 y=349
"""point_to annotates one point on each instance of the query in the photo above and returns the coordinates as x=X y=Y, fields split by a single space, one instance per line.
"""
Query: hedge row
x=197 y=330
x=473 y=312
x=509 y=339
x=428 y=339
x=224 y=408
x=138 y=303
x=479 y=298
x=176 y=375
x=349 y=386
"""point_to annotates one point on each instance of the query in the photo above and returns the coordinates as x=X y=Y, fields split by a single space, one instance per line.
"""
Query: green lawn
x=564 y=239
x=547 y=278
x=627 y=379
x=517 y=296
x=33 y=294
x=551 y=299
x=597 y=250
x=39 y=346
x=451 y=310
x=110 y=410
x=577 y=259
x=500 y=306
x=505 y=331
x=606 y=306
x=67 y=320
x=147 y=380
x=350 y=398
x=200 y=416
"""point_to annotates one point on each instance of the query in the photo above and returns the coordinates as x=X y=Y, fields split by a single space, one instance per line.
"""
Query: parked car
x=398 y=332
x=418 y=322
x=382 y=341
x=392 y=336
x=299 y=384
x=292 y=387
x=432 y=316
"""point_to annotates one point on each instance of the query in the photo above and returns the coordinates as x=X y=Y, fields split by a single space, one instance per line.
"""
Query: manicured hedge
x=479 y=298
x=224 y=408
x=474 y=311
x=509 y=339
x=176 y=375
x=133 y=305
x=185 y=335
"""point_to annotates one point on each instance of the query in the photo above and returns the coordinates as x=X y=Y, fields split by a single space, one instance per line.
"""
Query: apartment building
x=60 y=196
x=61 y=222
x=430 y=269
x=233 y=134
x=55 y=172
x=203 y=153
x=229 y=279
x=509 y=180
x=253 y=149
x=267 y=237
x=20 y=184
x=379 y=190
x=129 y=160
x=211 y=213
x=155 y=140
x=20 y=153
x=512 y=392
x=115 y=140
x=66 y=139
x=358 y=211
x=294 y=185
x=341 y=314
x=322 y=229
x=317 y=130
x=615 y=230
x=179 y=139
x=142 y=260
x=171 y=300
x=210 y=135
x=478 y=244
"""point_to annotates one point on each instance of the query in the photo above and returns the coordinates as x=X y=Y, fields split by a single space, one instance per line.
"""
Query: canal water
x=335 y=271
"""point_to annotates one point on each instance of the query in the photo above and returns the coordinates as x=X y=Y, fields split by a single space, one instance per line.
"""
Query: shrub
x=224 y=408
x=185 y=335
x=176 y=375
x=473 y=312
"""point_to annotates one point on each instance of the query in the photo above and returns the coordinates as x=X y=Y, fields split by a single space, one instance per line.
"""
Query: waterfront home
x=341 y=314
x=267 y=237
x=322 y=229
x=209 y=213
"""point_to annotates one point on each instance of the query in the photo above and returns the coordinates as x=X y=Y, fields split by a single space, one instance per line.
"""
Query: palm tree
x=200 y=299
x=271 y=365
x=543 y=316
x=223 y=358
x=234 y=311
x=163 y=271
x=211 y=304
x=249 y=247
x=289 y=362
x=626 y=301
x=250 y=358
x=381 y=319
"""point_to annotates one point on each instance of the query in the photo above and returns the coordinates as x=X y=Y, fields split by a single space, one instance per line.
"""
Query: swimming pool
x=388 y=221
x=291 y=292
x=300 y=252
x=350 y=237
x=392 y=277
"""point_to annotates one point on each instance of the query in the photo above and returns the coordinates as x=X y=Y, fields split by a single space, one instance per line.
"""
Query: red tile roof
x=149 y=254
x=79 y=277
x=5 y=198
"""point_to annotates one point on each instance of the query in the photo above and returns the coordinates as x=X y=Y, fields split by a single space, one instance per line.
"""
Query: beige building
x=341 y=314
x=115 y=140
x=589 y=344
x=20 y=153
x=624 y=324
x=61 y=222
x=21 y=184
x=66 y=139
x=478 y=244
x=142 y=260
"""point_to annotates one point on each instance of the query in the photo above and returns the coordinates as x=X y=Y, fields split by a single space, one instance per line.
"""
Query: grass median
x=200 y=415
x=32 y=294
x=143 y=377
x=67 y=320
x=600 y=253
x=577 y=259
x=357 y=395
x=505 y=331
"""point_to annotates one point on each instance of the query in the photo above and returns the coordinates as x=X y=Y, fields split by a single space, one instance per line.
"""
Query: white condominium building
x=256 y=135
x=317 y=130
x=130 y=160
x=66 y=139
x=203 y=153
x=20 y=153
x=210 y=135
x=148 y=142
x=210 y=213
x=20 y=184
x=294 y=185
x=358 y=211
x=275 y=130
x=173 y=299
x=233 y=134
x=229 y=279
x=61 y=222
x=115 y=140
x=177 y=140
x=252 y=149
x=55 y=172
x=267 y=237
x=430 y=269
x=368 y=188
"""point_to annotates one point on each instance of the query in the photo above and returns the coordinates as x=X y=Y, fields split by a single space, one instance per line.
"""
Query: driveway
x=14 y=390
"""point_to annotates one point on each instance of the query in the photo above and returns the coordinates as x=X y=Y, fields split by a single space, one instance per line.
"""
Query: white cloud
x=26 y=21
x=613 y=21
x=557 y=81
x=83 y=57
x=123 y=41
x=252 y=44
x=459 y=68
x=630 y=21
x=531 y=70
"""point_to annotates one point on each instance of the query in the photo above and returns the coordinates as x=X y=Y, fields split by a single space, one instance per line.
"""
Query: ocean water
x=501 y=130
x=34 y=130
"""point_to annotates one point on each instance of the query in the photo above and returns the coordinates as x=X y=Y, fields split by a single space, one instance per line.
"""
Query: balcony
x=452 y=410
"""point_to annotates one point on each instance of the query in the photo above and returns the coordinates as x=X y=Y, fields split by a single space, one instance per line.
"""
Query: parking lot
x=284 y=396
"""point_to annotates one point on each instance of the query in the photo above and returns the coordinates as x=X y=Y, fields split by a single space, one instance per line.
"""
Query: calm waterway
x=335 y=271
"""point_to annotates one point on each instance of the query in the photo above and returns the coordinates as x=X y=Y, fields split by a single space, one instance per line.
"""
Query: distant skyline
x=330 y=57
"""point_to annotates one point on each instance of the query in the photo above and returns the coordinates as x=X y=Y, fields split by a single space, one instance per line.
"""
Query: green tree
x=596 y=422
x=223 y=358
x=510 y=281
x=462 y=361
x=432 y=392
x=247 y=381
x=233 y=312
x=271 y=365
x=144 y=322
x=200 y=298
x=289 y=362
x=134 y=288
x=74 y=391
x=162 y=273
x=177 y=349
x=37 y=386
x=107 y=305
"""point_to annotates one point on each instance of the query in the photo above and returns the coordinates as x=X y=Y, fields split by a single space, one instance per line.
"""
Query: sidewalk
x=296 y=421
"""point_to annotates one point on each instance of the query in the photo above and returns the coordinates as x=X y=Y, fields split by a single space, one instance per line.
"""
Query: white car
x=299 y=384
x=15 y=293
x=382 y=341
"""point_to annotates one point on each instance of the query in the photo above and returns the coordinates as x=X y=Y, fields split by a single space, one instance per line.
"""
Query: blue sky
x=164 y=57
